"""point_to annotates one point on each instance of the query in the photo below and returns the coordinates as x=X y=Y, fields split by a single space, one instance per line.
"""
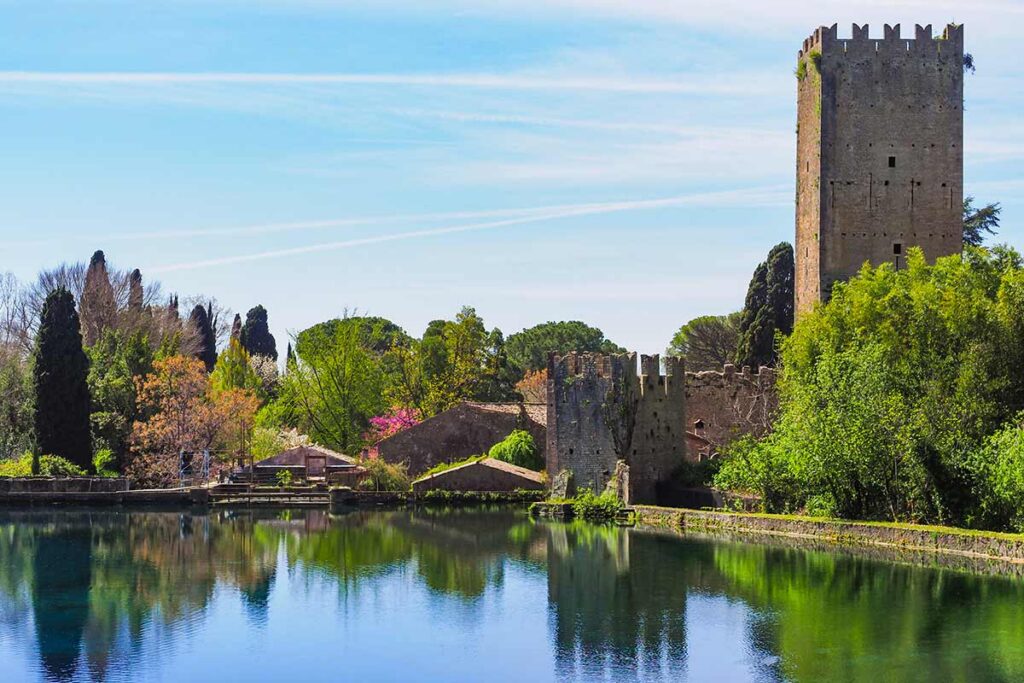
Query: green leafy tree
x=890 y=393
x=528 y=350
x=979 y=222
x=15 y=403
x=115 y=362
x=201 y=321
x=256 y=336
x=518 y=448
x=60 y=387
x=768 y=309
x=707 y=342
x=334 y=387
x=234 y=370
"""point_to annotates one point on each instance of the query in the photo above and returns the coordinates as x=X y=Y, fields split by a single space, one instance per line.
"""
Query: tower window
x=897 y=248
x=892 y=162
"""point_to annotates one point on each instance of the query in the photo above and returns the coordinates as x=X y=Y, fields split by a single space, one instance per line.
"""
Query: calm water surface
x=472 y=596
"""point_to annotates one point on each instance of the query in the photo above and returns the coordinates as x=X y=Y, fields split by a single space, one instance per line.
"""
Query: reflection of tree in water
x=62 y=572
x=828 y=613
x=618 y=601
x=455 y=552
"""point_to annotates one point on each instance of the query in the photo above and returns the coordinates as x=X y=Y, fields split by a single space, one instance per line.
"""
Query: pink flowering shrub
x=390 y=423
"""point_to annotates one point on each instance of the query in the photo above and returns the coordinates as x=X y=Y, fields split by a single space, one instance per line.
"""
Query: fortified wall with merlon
x=879 y=152
x=601 y=412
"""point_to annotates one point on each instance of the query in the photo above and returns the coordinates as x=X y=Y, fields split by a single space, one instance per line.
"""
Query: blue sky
x=626 y=164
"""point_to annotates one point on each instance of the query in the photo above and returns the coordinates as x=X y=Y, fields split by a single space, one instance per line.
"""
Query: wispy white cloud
x=737 y=86
x=751 y=196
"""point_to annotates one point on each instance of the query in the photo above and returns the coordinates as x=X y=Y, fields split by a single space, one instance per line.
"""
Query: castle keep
x=879 y=152
x=605 y=422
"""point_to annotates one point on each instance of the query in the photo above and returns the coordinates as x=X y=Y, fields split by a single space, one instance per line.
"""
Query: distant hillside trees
x=768 y=309
x=60 y=387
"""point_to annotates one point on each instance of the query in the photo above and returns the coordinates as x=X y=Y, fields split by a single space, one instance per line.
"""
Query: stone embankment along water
x=945 y=540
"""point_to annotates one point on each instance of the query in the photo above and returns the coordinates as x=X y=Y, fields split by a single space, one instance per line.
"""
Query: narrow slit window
x=892 y=162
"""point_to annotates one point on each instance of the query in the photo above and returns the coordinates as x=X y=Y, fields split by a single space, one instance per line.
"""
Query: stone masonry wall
x=600 y=411
x=879 y=152
x=722 y=406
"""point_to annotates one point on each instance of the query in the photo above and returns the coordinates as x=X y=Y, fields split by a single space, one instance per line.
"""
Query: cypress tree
x=207 y=352
x=98 y=306
x=236 y=328
x=768 y=308
x=136 y=295
x=256 y=337
x=59 y=375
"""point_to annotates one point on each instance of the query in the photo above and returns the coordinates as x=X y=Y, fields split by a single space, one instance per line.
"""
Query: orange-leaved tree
x=182 y=412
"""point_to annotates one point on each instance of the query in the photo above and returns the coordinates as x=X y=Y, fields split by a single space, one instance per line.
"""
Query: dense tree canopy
x=707 y=342
x=60 y=388
x=528 y=350
x=768 y=309
x=901 y=398
x=256 y=336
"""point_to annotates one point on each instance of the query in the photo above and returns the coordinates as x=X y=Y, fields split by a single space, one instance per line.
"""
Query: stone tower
x=879 y=152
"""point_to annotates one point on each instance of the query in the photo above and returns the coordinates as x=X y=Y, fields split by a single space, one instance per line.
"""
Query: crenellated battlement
x=826 y=40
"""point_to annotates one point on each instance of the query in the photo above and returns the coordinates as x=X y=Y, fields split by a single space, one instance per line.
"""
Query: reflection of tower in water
x=617 y=603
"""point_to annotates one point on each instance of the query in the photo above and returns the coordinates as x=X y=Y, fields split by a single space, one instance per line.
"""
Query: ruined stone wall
x=467 y=429
x=879 y=152
x=600 y=411
x=722 y=406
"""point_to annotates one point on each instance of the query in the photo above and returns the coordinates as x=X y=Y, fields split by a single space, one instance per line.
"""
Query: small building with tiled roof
x=305 y=463
x=487 y=474
x=463 y=431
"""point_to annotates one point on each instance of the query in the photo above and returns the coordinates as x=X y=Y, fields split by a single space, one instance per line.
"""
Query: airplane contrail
x=566 y=212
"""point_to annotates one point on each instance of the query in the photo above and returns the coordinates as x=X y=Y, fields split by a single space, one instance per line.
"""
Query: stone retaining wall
x=63 y=485
x=1006 y=547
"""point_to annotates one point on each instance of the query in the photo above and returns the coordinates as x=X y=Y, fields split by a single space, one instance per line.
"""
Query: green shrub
x=49 y=466
x=383 y=476
x=17 y=467
x=518 y=448
x=602 y=508
x=54 y=466
x=104 y=462
x=284 y=478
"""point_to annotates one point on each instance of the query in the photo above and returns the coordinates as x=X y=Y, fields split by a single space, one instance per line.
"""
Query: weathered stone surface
x=879 y=152
x=562 y=485
x=722 y=406
x=466 y=430
x=482 y=475
x=600 y=411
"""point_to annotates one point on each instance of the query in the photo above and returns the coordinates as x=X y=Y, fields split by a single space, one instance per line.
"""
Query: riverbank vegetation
x=902 y=399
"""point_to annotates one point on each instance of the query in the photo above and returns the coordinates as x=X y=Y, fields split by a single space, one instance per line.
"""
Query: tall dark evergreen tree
x=207 y=352
x=136 y=294
x=256 y=337
x=98 y=305
x=768 y=308
x=60 y=371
